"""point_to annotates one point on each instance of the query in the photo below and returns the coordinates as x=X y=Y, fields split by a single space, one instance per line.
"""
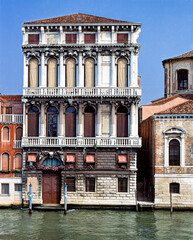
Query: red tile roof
x=188 y=55
x=77 y=18
x=12 y=98
x=186 y=107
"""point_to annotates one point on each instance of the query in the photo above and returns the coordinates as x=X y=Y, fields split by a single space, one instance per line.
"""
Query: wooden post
x=136 y=201
x=65 y=198
x=30 y=198
x=171 y=206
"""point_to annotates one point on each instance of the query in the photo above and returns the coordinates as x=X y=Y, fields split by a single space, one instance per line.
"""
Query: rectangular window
x=5 y=188
x=71 y=38
x=18 y=187
x=122 y=184
x=174 y=188
x=2 y=110
x=52 y=38
x=33 y=38
x=89 y=38
x=90 y=161
x=8 y=110
x=122 y=38
x=70 y=181
x=90 y=184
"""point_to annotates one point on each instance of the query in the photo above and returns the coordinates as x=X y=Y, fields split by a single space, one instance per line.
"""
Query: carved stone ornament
x=30 y=55
x=89 y=53
x=49 y=54
x=125 y=54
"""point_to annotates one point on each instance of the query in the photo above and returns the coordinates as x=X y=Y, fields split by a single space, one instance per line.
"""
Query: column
x=132 y=117
x=43 y=71
x=80 y=71
x=80 y=35
x=113 y=71
x=62 y=72
x=42 y=121
x=98 y=80
x=98 y=34
x=133 y=69
x=98 y=122
x=42 y=36
x=61 y=35
x=25 y=72
x=182 y=152
x=113 y=34
x=80 y=121
x=113 y=121
x=24 y=119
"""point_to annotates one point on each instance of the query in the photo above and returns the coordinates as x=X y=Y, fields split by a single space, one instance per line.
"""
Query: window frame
x=123 y=33
x=8 y=192
x=182 y=81
x=18 y=184
x=57 y=117
x=173 y=147
x=176 y=188
x=68 y=178
x=2 y=134
x=89 y=41
x=34 y=41
x=69 y=42
x=126 y=190
x=38 y=72
x=87 y=189
x=21 y=160
x=8 y=161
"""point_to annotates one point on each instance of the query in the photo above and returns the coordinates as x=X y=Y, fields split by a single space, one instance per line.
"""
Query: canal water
x=96 y=225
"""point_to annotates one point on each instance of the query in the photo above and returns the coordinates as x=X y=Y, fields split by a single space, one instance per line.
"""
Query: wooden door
x=70 y=125
x=89 y=125
x=33 y=125
x=51 y=187
x=122 y=125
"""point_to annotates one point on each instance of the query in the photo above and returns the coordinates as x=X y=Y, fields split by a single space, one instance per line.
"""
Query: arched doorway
x=51 y=182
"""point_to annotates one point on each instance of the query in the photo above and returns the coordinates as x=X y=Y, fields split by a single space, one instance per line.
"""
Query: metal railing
x=17 y=144
x=82 y=91
x=11 y=118
x=81 y=142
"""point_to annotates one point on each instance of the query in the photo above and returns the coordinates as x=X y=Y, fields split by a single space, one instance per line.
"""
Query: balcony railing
x=82 y=92
x=80 y=142
x=11 y=118
x=17 y=144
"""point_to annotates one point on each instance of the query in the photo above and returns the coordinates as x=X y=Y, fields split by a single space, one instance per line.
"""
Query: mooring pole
x=65 y=198
x=30 y=198
x=136 y=201
x=171 y=206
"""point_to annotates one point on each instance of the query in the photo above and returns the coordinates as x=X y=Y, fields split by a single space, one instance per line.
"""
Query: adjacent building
x=80 y=106
x=166 y=159
x=11 y=121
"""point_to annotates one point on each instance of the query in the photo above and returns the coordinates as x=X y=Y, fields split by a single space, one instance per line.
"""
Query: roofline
x=175 y=60
x=80 y=24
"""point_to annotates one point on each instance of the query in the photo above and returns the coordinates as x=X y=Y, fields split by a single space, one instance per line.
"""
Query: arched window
x=70 y=73
x=52 y=73
x=5 y=161
x=33 y=122
x=52 y=121
x=182 y=76
x=19 y=133
x=89 y=122
x=51 y=162
x=122 y=73
x=174 y=153
x=18 y=161
x=70 y=122
x=122 y=121
x=5 y=134
x=89 y=72
x=33 y=73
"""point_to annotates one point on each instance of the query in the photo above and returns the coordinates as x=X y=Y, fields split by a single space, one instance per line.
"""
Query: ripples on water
x=95 y=225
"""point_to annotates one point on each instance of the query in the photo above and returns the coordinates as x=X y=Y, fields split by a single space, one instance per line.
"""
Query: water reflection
x=96 y=225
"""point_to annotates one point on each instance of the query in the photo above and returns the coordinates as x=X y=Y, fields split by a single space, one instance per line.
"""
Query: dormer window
x=89 y=38
x=182 y=76
x=33 y=38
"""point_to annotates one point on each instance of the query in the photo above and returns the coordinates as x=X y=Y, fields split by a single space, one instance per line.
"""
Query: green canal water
x=95 y=225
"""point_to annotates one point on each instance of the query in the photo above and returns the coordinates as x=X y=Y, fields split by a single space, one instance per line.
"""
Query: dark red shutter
x=89 y=125
x=19 y=133
x=122 y=125
x=8 y=110
x=89 y=38
x=33 y=125
x=70 y=38
x=90 y=185
x=122 y=38
x=70 y=184
x=33 y=38
x=70 y=125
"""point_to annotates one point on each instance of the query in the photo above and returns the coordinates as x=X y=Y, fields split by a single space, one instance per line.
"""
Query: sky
x=167 y=31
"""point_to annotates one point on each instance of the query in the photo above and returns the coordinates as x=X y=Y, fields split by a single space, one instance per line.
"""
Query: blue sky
x=167 y=31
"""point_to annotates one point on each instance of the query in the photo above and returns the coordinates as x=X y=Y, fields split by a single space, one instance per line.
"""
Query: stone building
x=166 y=158
x=11 y=120
x=81 y=95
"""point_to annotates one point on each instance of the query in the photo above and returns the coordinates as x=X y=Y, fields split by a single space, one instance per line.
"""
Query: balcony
x=11 y=118
x=82 y=92
x=81 y=142
x=17 y=144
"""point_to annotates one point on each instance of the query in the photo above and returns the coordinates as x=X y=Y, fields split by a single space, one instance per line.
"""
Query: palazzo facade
x=80 y=103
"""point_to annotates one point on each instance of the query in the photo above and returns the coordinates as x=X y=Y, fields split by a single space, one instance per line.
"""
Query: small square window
x=33 y=38
x=8 y=110
x=70 y=182
x=18 y=187
x=90 y=184
x=122 y=161
x=71 y=38
x=122 y=38
x=122 y=184
x=89 y=38
x=174 y=188
x=5 y=188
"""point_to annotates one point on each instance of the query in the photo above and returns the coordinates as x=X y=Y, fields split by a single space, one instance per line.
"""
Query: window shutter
x=70 y=38
x=19 y=133
x=122 y=38
x=70 y=184
x=33 y=125
x=33 y=38
x=90 y=184
x=18 y=161
x=8 y=110
x=5 y=162
x=5 y=134
x=89 y=38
